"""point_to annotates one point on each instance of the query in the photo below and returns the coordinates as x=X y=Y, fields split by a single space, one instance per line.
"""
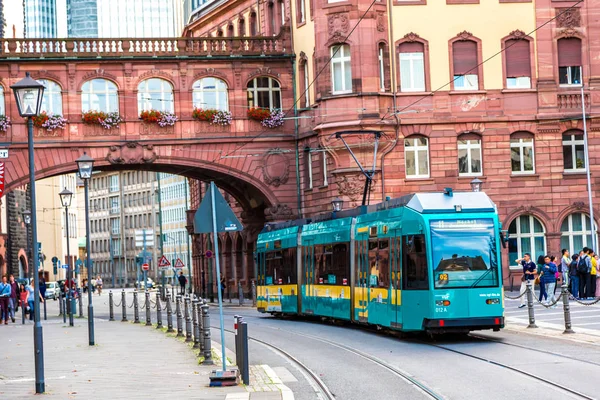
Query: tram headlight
x=493 y=301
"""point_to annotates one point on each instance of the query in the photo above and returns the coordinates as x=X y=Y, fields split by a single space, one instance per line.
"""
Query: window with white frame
x=380 y=59
x=301 y=11
x=52 y=99
x=574 y=152
x=522 y=159
x=324 y=159
x=576 y=232
x=308 y=175
x=99 y=95
x=114 y=183
x=341 y=72
x=210 y=93
x=465 y=65
x=569 y=61
x=518 y=64
x=416 y=157
x=2 y=107
x=469 y=157
x=526 y=234
x=264 y=92
x=155 y=94
x=305 y=84
x=412 y=67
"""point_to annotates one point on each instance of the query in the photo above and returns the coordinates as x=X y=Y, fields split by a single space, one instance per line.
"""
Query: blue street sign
x=226 y=221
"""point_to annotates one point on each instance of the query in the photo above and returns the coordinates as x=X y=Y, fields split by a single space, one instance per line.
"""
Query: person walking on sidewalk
x=529 y=270
x=549 y=275
x=4 y=296
x=32 y=291
x=574 y=277
x=182 y=282
x=565 y=262
x=584 y=267
x=593 y=273
x=540 y=269
x=23 y=294
x=14 y=297
x=99 y=285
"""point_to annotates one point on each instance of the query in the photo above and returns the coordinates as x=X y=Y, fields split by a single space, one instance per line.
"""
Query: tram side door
x=362 y=281
x=415 y=282
x=261 y=290
x=396 y=280
x=308 y=263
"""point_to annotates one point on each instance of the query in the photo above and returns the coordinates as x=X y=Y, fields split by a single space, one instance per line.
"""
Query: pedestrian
x=99 y=285
x=223 y=286
x=549 y=275
x=574 y=277
x=556 y=274
x=593 y=274
x=85 y=285
x=529 y=270
x=31 y=292
x=540 y=279
x=182 y=282
x=4 y=296
x=13 y=304
x=42 y=283
x=565 y=262
x=23 y=294
x=584 y=268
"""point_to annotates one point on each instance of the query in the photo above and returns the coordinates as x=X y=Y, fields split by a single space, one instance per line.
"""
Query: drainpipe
x=296 y=137
x=393 y=84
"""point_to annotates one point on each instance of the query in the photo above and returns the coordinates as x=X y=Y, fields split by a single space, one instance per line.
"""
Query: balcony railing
x=572 y=101
x=121 y=47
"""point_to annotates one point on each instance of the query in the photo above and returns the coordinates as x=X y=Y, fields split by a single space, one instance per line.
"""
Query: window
x=308 y=175
x=526 y=234
x=379 y=263
x=282 y=12
x=2 y=107
x=155 y=94
x=99 y=95
x=264 y=92
x=241 y=28
x=412 y=67
x=574 y=152
x=518 y=64
x=115 y=225
x=464 y=58
x=272 y=18
x=324 y=159
x=469 y=157
x=380 y=53
x=116 y=247
x=416 y=157
x=569 y=61
x=114 y=183
x=341 y=73
x=301 y=11
x=304 y=84
x=210 y=93
x=114 y=205
x=253 y=30
x=576 y=232
x=521 y=154
x=52 y=100
x=332 y=263
x=414 y=263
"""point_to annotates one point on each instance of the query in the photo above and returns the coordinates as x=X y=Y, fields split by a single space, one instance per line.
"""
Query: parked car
x=52 y=290
x=150 y=284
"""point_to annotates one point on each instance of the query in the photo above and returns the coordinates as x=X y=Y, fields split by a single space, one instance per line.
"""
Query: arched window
x=241 y=27
x=155 y=94
x=576 y=232
x=522 y=159
x=230 y=32
x=412 y=66
x=264 y=92
x=210 y=93
x=282 y=11
x=526 y=234
x=253 y=27
x=341 y=72
x=416 y=157
x=2 y=108
x=469 y=155
x=569 y=61
x=52 y=100
x=272 y=18
x=99 y=95
x=304 y=84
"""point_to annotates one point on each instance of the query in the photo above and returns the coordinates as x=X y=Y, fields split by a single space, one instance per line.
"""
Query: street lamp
x=65 y=198
x=28 y=94
x=26 y=214
x=476 y=185
x=337 y=204
x=85 y=165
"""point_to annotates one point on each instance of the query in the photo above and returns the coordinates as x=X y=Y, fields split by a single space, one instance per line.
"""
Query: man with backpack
x=574 y=276
x=584 y=269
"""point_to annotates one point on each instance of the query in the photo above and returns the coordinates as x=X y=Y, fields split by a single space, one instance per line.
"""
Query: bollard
x=196 y=327
x=200 y=330
x=111 y=309
x=60 y=308
x=64 y=303
x=188 y=320
x=245 y=367
x=124 y=306
x=530 y=305
x=169 y=314
x=158 y=312
x=80 y=303
x=207 y=351
x=179 y=316
x=241 y=293
x=148 y=314
x=172 y=291
x=238 y=354
x=253 y=294
x=45 y=313
x=23 y=305
x=566 y=309
x=136 y=309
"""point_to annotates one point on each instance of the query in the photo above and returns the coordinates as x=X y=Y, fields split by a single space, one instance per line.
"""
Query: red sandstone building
x=460 y=89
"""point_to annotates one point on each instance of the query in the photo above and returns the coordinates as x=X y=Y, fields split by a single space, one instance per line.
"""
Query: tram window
x=280 y=267
x=379 y=263
x=332 y=263
x=414 y=263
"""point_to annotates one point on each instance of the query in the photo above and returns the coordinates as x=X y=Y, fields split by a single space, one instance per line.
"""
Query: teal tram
x=421 y=262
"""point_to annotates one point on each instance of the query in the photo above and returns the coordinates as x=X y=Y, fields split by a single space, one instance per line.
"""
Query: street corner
x=579 y=335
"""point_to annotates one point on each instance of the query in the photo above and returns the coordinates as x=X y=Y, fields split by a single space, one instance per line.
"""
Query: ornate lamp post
x=28 y=95
x=476 y=185
x=26 y=214
x=85 y=164
x=65 y=198
x=337 y=204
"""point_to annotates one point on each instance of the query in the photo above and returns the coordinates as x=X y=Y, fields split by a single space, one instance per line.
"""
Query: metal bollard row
x=195 y=326
x=136 y=309
x=566 y=309
x=148 y=314
x=530 y=305
x=158 y=312
x=169 y=314
x=188 y=320
x=65 y=312
x=207 y=350
x=253 y=294
x=111 y=309
x=200 y=326
x=241 y=293
x=179 y=316
x=80 y=303
x=124 y=305
x=60 y=305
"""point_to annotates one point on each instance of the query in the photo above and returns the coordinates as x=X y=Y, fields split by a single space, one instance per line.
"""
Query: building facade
x=40 y=18
x=82 y=18
x=137 y=18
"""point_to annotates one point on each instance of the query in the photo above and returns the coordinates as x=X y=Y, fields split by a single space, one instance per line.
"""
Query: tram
x=421 y=262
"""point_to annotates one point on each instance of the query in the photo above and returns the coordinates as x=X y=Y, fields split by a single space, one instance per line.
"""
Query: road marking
x=238 y=396
x=286 y=393
x=284 y=374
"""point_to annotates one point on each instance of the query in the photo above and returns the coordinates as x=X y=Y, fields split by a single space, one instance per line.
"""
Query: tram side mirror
x=504 y=238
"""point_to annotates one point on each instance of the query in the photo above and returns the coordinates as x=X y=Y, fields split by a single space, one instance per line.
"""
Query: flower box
x=161 y=118
x=213 y=116
x=49 y=122
x=268 y=118
x=106 y=120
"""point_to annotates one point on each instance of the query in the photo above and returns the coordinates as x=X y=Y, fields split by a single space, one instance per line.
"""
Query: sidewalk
x=130 y=361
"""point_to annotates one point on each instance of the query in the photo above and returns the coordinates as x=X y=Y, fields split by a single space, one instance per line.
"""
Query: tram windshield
x=464 y=253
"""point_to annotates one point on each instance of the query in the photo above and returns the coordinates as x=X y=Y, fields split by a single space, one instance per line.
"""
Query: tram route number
x=443 y=277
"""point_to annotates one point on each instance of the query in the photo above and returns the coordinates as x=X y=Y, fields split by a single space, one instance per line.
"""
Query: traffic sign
x=179 y=263
x=139 y=237
x=145 y=267
x=163 y=262
x=2 y=178
x=208 y=254
x=3 y=153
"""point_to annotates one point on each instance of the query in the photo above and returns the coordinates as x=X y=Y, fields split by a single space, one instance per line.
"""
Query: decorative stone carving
x=154 y=73
x=183 y=75
x=44 y=74
x=411 y=37
x=380 y=22
x=203 y=127
x=98 y=73
x=127 y=72
x=71 y=72
x=210 y=72
x=579 y=205
x=132 y=153
x=517 y=34
x=568 y=17
x=262 y=71
x=276 y=167
x=464 y=35
x=569 y=33
x=338 y=25
x=350 y=186
x=98 y=130
x=43 y=132
x=278 y=212
x=154 y=129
